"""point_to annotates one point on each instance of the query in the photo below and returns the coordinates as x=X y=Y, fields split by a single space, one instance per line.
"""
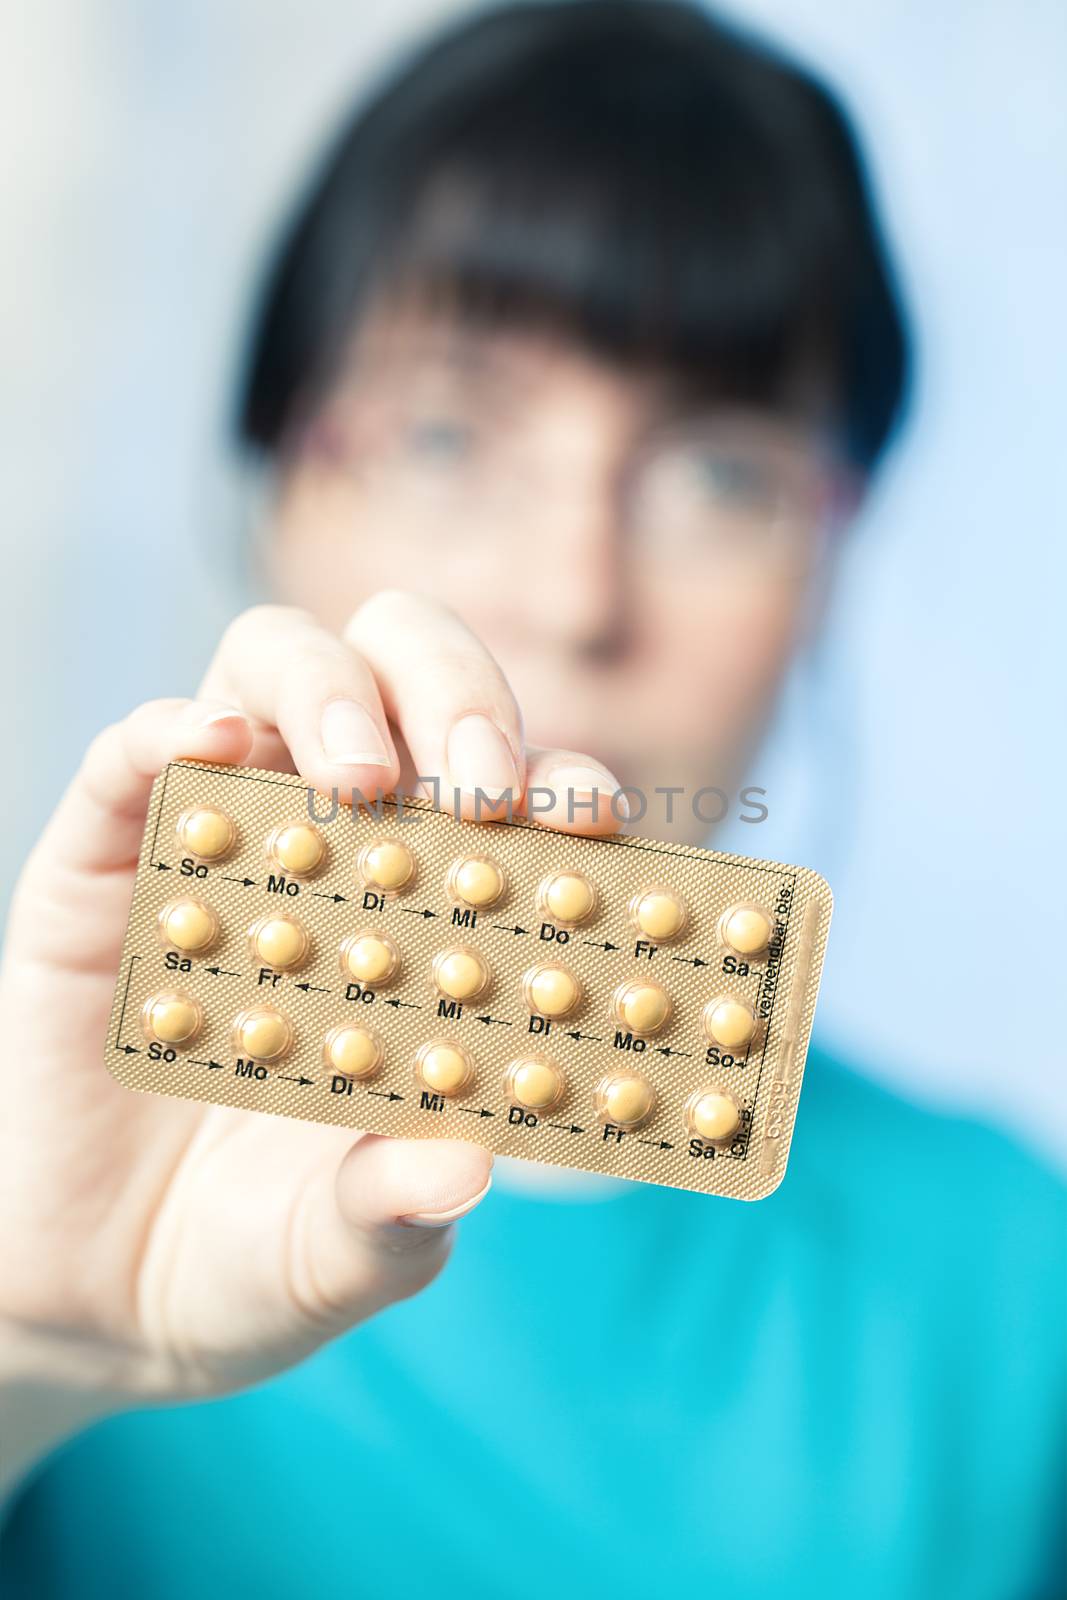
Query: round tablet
x=353 y=1052
x=714 y=1114
x=625 y=1099
x=642 y=1006
x=729 y=1022
x=206 y=832
x=551 y=991
x=534 y=1082
x=188 y=925
x=370 y=957
x=746 y=929
x=262 y=1034
x=446 y=1068
x=386 y=865
x=659 y=913
x=298 y=848
x=280 y=942
x=568 y=897
x=172 y=1018
x=476 y=882
x=461 y=974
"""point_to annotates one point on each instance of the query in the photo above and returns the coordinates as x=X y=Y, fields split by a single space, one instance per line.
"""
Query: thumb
x=378 y=1228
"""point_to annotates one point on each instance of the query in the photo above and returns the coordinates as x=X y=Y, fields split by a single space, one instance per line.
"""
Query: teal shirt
x=853 y=1388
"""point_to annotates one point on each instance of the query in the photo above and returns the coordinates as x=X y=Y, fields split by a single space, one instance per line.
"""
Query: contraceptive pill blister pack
x=619 y=1005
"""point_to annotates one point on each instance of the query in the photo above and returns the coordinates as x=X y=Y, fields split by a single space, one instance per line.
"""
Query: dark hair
x=628 y=170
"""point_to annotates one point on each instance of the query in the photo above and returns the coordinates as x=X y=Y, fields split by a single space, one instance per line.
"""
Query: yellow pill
x=534 y=1083
x=262 y=1034
x=746 y=929
x=476 y=882
x=659 y=913
x=715 y=1115
x=370 y=957
x=461 y=974
x=280 y=942
x=172 y=1018
x=353 y=1052
x=729 y=1022
x=625 y=1099
x=387 y=866
x=644 y=1007
x=551 y=991
x=188 y=925
x=446 y=1068
x=568 y=897
x=297 y=847
x=206 y=832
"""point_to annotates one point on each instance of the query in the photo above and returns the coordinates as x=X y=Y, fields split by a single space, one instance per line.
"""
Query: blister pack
x=619 y=1005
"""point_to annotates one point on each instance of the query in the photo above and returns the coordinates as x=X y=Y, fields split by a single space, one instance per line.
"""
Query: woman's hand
x=152 y=1248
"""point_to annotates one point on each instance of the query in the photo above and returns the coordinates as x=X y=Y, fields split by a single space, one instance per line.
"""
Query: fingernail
x=441 y=1219
x=206 y=713
x=350 y=736
x=479 y=758
x=583 y=780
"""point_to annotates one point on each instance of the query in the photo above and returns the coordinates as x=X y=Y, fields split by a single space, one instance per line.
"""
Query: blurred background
x=148 y=154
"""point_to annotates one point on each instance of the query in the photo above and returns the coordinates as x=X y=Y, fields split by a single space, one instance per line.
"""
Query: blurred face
x=642 y=567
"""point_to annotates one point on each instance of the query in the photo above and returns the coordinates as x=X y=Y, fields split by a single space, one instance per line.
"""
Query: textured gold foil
x=497 y=1029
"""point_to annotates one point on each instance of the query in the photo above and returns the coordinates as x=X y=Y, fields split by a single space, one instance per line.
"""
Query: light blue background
x=920 y=764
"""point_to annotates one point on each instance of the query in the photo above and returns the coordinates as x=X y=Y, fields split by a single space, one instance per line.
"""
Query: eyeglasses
x=730 y=488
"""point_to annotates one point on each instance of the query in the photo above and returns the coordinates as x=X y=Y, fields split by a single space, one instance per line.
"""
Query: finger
x=290 y=674
x=573 y=792
x=447 y=695
x=98 y=824
x=269 y=750
x=378 y=1228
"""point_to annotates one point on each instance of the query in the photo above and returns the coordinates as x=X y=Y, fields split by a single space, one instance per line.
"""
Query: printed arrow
x=591 y=944
x=593 y=1037
x=498 y=1020
x=502 y=927
x=383 y=1095
x=563 y=1128
x=470 y=1111
x=690 y=961
x=213 y=1066
x=249 y=883
x=284 y=1079
x=337 y=899
x=161 y=866
x=408 y=1005
x=657 y=1144
x=413 y=911
x=222 y=972
x=130 y=1050
x=665 y=1050
x=311 y=988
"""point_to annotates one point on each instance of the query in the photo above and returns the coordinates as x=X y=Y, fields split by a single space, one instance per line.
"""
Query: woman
x=574 y=362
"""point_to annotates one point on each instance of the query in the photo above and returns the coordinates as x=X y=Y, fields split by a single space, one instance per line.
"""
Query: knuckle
x=263 y=619
x=462 y=681
x=110 y=740
x=102 y=755
x=379 y=611
x=153 y=710
x=101 y=746
x=291 y=707
x=385 y=602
